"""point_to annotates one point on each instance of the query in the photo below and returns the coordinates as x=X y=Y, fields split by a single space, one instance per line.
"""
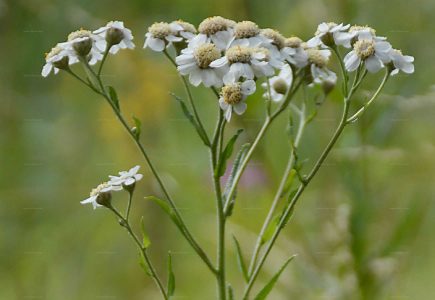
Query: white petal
x=240 y=108
x=46 y=69
x=373 y=64
x=248 y=87
x=156 y=44
x=220 y=62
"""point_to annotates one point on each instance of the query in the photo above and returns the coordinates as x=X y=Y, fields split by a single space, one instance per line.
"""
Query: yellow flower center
x=214 y=24
x=96 y=191
x=79 y=34
x=160 y=30
x=205 y=54
x=364 y=48
x=315 y=57
x=246 y=29
x=293 y=42
x=186 y=26
x=232 y=93
x=240 y=54
x=277 y=38
x=356 y=28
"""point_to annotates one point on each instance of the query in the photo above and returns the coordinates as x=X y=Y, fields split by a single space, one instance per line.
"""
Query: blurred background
x=363 y=229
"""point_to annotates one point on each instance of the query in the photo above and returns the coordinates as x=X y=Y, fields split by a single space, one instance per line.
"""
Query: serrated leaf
x=241 y=260
x=138 y=126
x=226 y=154
x=171 y=277
x=145 y=238
x=202 y=134
x=114 y=97
x=265 y=291
x=230 y=181
x=167 y=209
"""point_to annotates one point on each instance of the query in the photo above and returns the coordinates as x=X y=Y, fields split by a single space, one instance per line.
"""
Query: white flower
x=330 y=34
x=279 y=85
x=126 y=178
x=372 y=52
x=244 y=62
x=82 y=44
x=195 y=61
x=248 y=33
x=233 y=97
x=116 y=35
x=100 y=196
x=294 y=52
x=161 y=35
x=183 y=29
x=56 y=59
x=358 y=32
x=318 y=60
x=217 y=30
x=275 y=44
x=401 y=62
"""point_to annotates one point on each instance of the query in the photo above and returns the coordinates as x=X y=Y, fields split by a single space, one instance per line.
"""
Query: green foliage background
x=58 y=140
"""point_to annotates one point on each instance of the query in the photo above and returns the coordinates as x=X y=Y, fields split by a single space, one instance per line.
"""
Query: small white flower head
x=82 y=44
x=331 y=34
x=57 y=59
x=183 y=29
x=372 y=52
x=400 y=62
x=160 y=35
x=233 y=97
x=359 y=32
x=318 y=60
x=279 y=85
x=294 y=52
x=217 y=30
x=244 y=62
x=115 y=36
x=195 y=61
x=248 y=32
x=126 y=179
x=276 y=38
x=276 y=45
x=101 y=195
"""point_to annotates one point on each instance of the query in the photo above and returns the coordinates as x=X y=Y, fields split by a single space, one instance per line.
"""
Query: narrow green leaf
x=269 y=286
x=171 y=277
x=230 y=292
x=240 y=260
x=289 y=182
x=144 y=264
x=145 y=238
x=202 y=134
x=236 y=166
x=226 y=154
x=137 y=127
x=114 y=97
x=167 y=209
x=270 y=229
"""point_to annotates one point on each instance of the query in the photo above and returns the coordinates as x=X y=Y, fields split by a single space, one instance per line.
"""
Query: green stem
x=106 y=52
x=375 y=95
x=279 y=193
x=189 y=96
x=343 y=70
x=215 y=155
x=184 y=229
x=290 y=208
x=125 y=223
x=130 y=199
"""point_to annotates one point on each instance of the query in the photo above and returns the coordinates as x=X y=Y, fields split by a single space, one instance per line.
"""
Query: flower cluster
x=101 y=195
x=232 y=56
x=87 y=46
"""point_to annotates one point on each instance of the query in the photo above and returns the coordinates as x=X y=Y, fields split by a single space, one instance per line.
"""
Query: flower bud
x=328 y=39
x=114 y=36
x=81 y=42
x=104 y=199
x=129 y=188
